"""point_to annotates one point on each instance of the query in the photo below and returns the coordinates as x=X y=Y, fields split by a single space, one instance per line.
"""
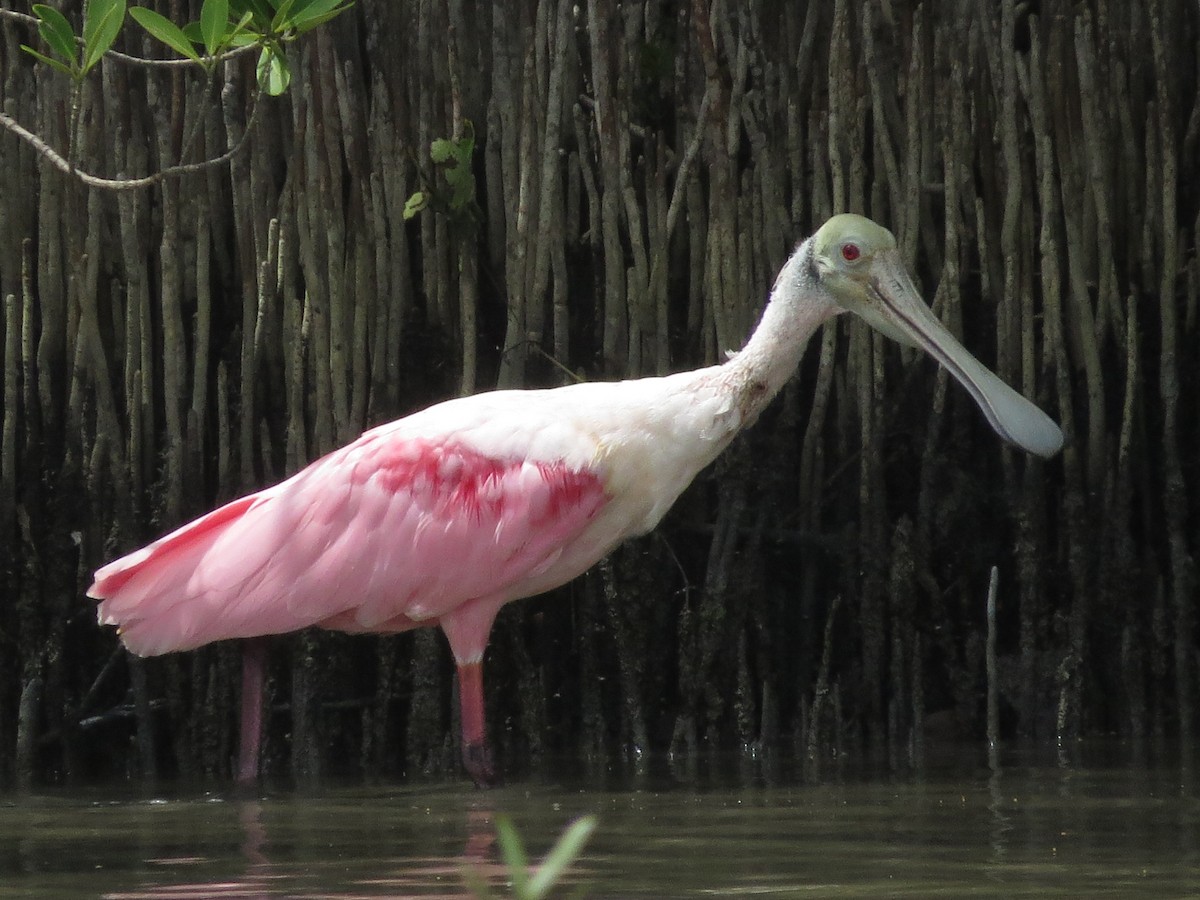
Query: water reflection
x=302 y=853
x=1011 y=830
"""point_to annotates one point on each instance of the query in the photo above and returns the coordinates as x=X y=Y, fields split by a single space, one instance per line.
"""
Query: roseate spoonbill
x=444 y=516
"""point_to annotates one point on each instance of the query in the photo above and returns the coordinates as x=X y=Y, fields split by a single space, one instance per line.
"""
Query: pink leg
x=467 y=631
x=477 y=756
x=254 y=676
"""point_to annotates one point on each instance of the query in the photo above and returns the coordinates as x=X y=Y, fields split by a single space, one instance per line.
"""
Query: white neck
x=797 y=307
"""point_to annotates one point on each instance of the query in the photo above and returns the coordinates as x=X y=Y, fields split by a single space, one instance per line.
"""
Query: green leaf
x=53 y=63
x=466 y=143
x=307 y=16
x=513 y=852
x=442 y=151
x=100 y=29
x=238 y=36
x=274 y=76
x=57 y=32
x=244 y=39
x=560 y=857
x=281 y=14
x=417 y=202
x=463 y=191
x=163 y=29
x=214 y=21
x=310 y=24
x=258 y=9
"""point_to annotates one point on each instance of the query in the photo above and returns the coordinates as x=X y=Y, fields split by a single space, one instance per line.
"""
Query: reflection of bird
x=442 y=517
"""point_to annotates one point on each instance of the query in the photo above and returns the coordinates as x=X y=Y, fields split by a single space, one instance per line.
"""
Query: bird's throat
x=797 y=308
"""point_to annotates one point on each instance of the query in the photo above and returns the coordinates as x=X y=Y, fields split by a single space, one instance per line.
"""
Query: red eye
x=850 y=252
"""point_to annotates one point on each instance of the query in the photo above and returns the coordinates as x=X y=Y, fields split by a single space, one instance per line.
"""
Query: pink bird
x=444 y=516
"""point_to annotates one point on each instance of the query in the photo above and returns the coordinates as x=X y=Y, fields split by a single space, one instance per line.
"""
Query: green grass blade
x=560 y=857
x=476 y=883
x=513 y=852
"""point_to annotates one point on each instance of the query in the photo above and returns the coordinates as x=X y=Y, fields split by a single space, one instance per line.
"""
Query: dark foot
x=477 y=759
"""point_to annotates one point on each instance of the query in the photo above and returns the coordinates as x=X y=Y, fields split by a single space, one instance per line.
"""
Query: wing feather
x=391 y=528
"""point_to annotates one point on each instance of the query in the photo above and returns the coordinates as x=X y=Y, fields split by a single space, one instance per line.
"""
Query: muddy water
x=1041 y=831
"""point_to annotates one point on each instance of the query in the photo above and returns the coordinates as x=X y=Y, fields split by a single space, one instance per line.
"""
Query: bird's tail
x=146 y=593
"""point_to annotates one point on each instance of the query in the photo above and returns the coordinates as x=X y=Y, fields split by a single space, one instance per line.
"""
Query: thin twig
x=24 y=19
x=205 y=62
x=126 y=184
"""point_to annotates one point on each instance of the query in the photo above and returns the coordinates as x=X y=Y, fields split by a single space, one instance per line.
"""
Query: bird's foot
x=477 y=759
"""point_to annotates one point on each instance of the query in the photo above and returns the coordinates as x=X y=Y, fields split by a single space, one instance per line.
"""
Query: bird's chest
x=652 y=460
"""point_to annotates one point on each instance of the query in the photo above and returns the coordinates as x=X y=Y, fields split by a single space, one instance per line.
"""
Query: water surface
x=1025 y=831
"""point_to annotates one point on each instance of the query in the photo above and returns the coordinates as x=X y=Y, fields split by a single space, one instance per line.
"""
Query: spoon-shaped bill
x=1012 y=416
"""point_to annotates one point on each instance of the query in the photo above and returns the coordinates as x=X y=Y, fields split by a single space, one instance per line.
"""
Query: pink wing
x=388 y=532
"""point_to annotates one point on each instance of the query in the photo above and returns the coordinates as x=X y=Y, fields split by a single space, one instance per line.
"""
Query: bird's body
x=475 y=501
x=446 y=515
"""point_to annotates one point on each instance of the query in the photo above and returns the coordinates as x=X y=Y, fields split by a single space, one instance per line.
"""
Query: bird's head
x=857 y=265
x=851 y=255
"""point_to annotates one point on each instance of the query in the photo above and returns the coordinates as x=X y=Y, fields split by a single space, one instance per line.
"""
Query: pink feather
x=388 y=533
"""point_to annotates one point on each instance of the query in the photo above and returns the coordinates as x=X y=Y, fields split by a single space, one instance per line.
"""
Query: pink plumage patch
x=457 y=480
x=384 y=534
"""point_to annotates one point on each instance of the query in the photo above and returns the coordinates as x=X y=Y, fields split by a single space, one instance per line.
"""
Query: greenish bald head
x=849 y=253
x=836 y=237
